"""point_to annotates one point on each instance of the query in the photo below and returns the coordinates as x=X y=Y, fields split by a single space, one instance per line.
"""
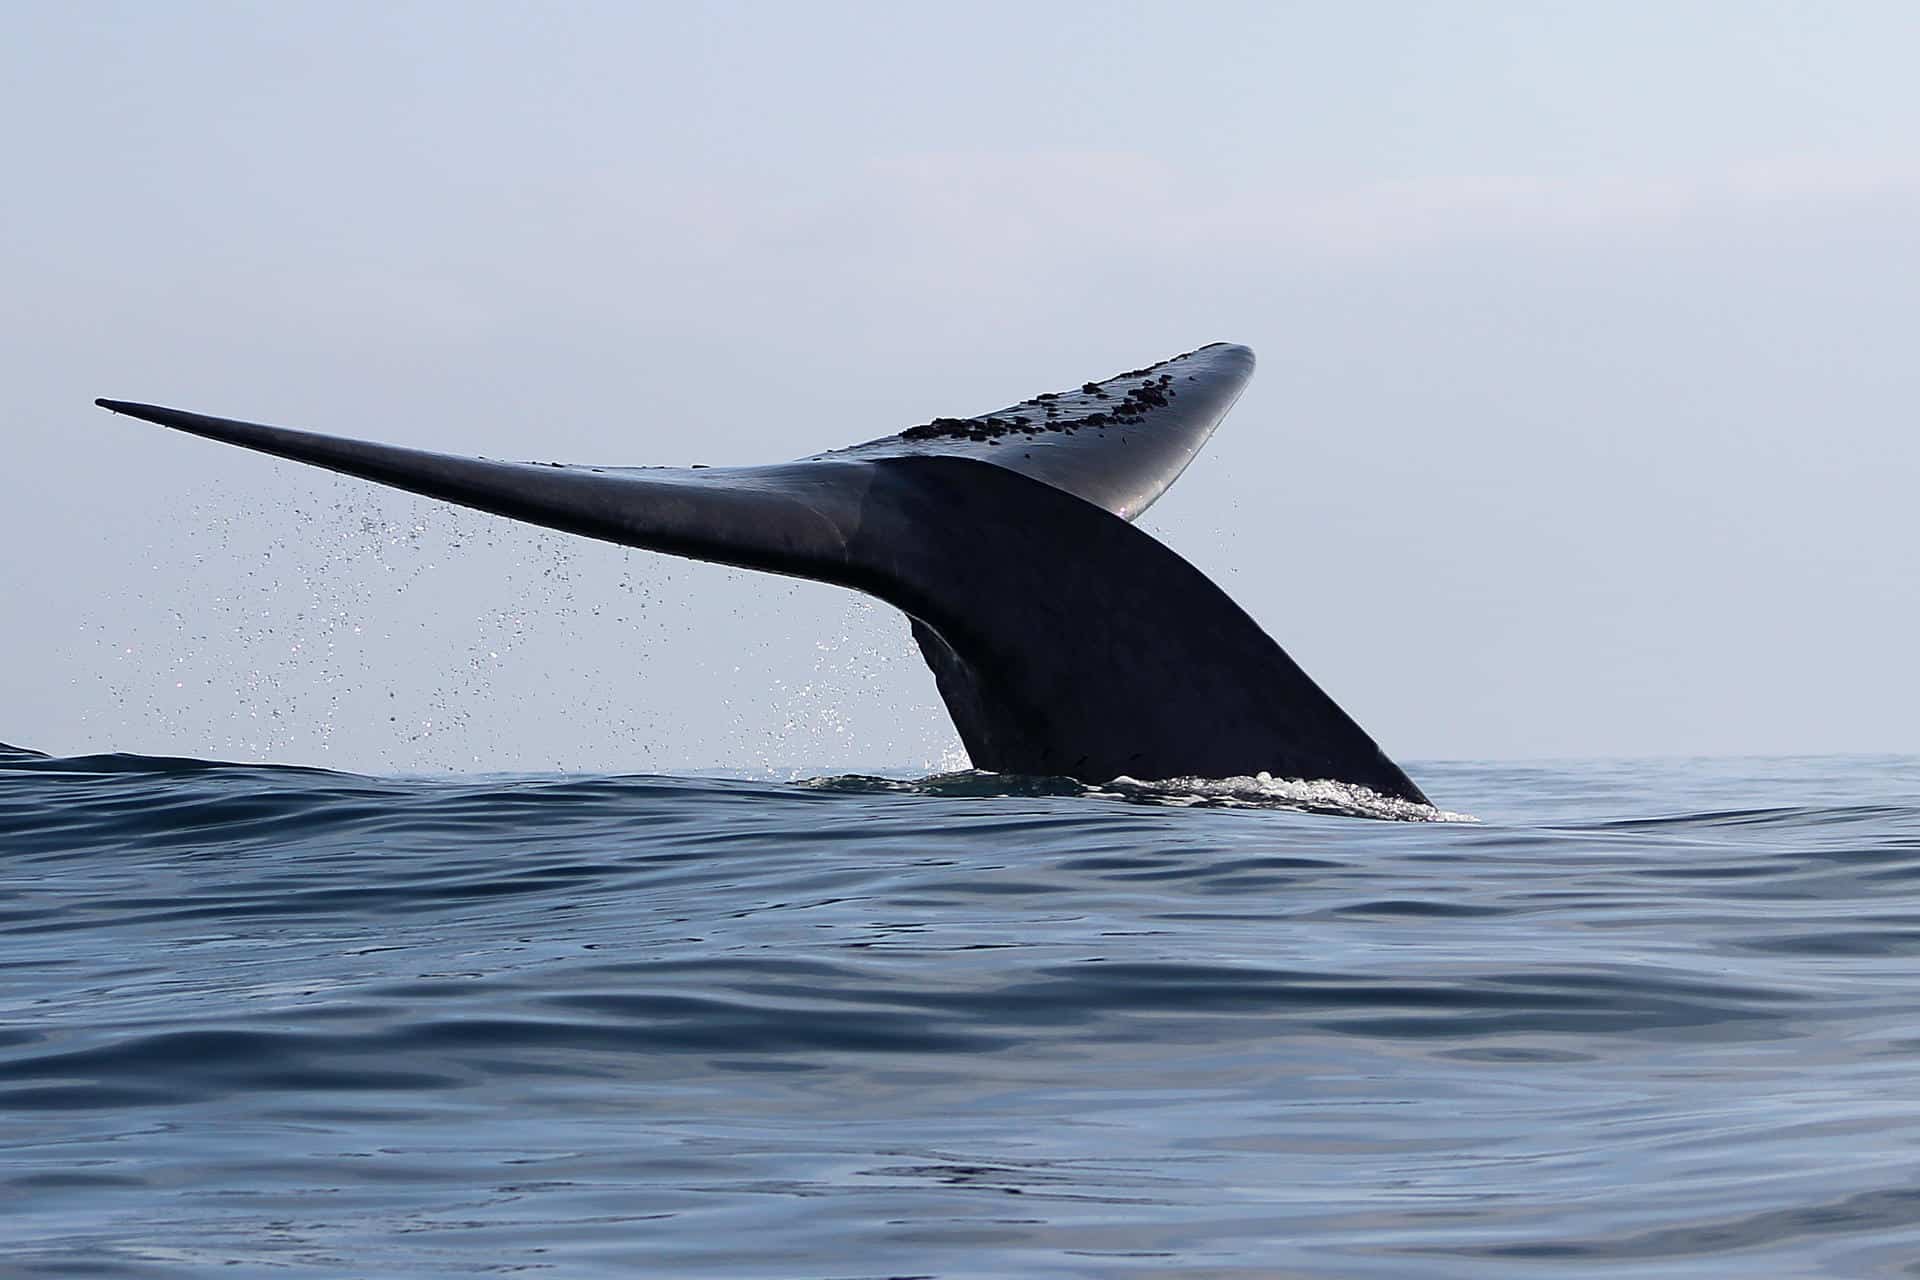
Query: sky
x=1583 y=423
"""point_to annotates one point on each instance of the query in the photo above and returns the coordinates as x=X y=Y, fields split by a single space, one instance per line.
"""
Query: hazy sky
x=1584 y=421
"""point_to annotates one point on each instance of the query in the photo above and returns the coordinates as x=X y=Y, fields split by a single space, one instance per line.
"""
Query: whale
x=1063 y=640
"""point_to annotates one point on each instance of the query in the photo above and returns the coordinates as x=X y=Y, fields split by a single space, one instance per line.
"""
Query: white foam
x=1264 y=791
x=1261 y=791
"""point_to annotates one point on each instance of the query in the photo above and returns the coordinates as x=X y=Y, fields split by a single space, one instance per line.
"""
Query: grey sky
x=1582 y=424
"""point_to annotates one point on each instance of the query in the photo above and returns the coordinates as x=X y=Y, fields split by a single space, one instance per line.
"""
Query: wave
x=1259 y=791
x=447 y=1024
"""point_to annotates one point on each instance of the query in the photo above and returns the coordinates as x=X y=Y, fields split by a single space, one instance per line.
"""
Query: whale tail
x=1063 y=640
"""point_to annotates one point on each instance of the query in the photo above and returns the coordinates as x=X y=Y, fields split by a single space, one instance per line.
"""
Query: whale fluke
x=1063 y=640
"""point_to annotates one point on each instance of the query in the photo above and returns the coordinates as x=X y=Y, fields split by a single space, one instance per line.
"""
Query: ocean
x=1612 y=1018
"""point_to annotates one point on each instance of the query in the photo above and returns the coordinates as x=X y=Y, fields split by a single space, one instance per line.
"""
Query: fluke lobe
x=1063 y=640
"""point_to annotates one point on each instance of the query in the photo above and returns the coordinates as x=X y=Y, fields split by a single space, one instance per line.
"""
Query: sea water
x=1649 y=1018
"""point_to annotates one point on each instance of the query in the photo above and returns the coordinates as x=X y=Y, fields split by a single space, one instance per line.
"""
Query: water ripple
x=1639 y=1017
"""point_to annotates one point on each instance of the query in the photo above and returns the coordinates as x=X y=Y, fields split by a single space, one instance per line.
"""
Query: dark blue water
x=1642 y=1019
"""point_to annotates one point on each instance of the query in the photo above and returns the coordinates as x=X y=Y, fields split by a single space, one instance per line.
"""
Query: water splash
x=1260 y=791
x=381 y=632
x=1264 y=791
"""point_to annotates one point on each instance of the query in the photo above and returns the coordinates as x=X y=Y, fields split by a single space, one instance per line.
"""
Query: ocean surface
x=1651 y=1018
